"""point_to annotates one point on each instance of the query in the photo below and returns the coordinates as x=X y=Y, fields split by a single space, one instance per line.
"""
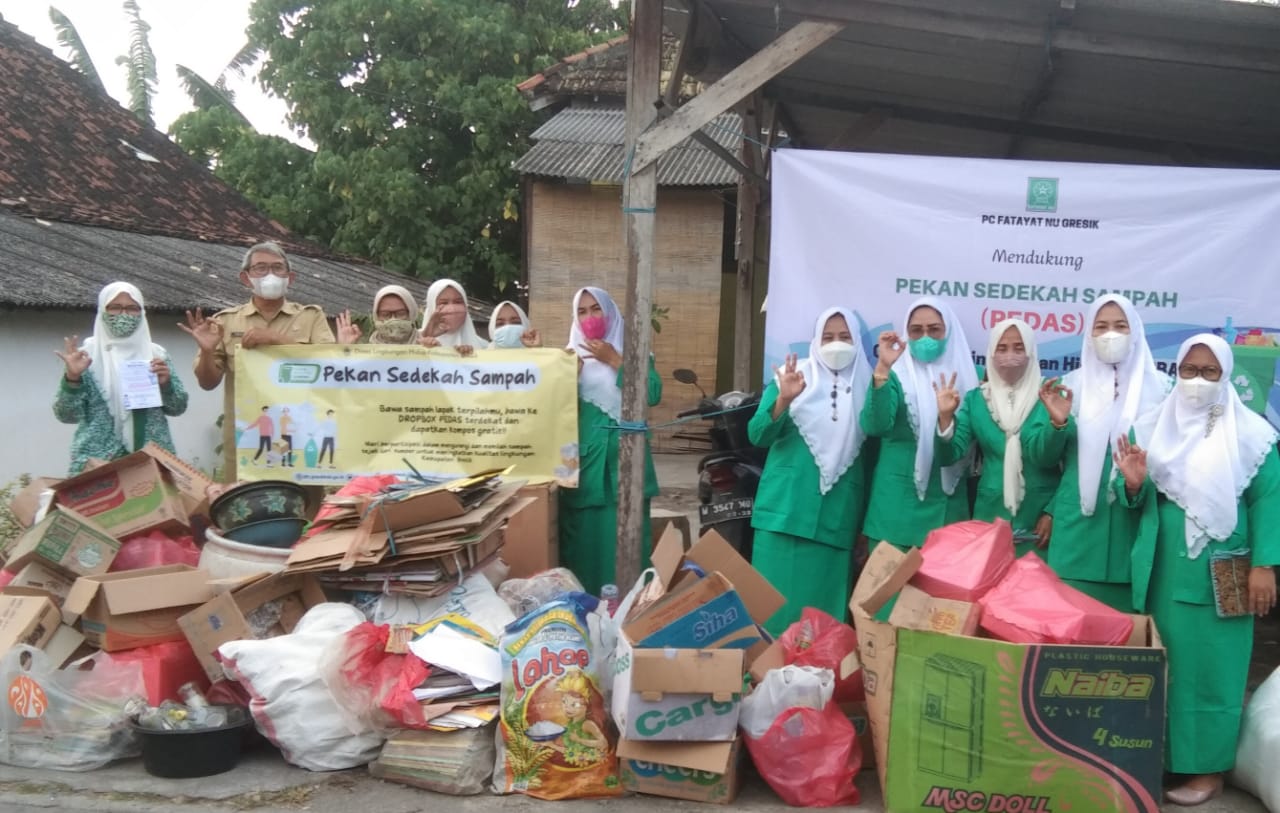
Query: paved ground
x=264 y=782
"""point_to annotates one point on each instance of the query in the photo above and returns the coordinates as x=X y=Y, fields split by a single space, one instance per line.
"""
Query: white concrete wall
x=33 y=441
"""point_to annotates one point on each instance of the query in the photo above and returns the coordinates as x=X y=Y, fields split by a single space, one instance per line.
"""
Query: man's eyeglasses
x=1208 y=372
x=120 y=310
x=400 y=314
x=262 y=269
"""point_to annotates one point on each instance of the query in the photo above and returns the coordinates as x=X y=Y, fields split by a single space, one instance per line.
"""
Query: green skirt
x=807 y=573
x=1118 y=595
x=589 y=544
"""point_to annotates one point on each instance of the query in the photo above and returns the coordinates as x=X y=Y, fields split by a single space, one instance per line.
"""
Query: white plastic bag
x=790 y=687
x=474 y=599
x=67 y=719
x=290 y=702
x=1258 y=752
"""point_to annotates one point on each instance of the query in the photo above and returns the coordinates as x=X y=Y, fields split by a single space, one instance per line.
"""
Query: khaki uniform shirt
x=302 y=324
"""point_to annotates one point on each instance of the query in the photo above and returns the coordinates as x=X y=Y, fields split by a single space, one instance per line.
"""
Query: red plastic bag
x=817 y=639
x=155 y=550
x=964 y=560
x=374 y=687
x=228 y=693
x=1033 y=606
x=165 y=667
x=356 y=487
x=810 y=757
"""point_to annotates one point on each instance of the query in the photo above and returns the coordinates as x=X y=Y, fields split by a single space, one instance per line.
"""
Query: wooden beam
x=998 y=29
x=745 y=248
x=671 y=98
x=716 y=147
x=639 y=207
x=765 y=64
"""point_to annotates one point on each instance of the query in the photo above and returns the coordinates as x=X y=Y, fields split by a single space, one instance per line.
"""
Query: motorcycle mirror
x=685 y=376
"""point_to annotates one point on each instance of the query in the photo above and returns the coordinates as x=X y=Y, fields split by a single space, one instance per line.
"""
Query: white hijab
x=409 y=302
x=108 y=352
x=524 y=317
x=1011 y=404
x=1204 y=457
x=598 y=382
x=917 y=380
x=1102 y=416
x=464 y=335
x=834 y=444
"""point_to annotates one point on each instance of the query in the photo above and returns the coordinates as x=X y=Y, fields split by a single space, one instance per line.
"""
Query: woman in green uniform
x=811 y=495
x=911 y=492
x=589 y=513
x=993 y=415
x=1217 y=479
x=1116 y=391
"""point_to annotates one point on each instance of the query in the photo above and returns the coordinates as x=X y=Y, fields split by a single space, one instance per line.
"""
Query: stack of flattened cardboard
x=680 y=666
x=462 y=690
x=417 y=541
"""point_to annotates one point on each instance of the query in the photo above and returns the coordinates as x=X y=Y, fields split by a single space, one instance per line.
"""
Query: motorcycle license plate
x=726 y=510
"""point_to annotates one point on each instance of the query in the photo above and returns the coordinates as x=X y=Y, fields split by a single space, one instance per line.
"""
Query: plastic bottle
x=609 y=595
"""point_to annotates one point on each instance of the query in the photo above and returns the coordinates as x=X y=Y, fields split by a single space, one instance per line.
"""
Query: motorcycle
x=729 y=476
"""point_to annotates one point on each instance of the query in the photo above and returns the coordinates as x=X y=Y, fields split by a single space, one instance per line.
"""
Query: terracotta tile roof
x=70 y=153
x=600 y=71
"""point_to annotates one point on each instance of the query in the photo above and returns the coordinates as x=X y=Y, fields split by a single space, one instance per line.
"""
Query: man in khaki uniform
x=266 y=319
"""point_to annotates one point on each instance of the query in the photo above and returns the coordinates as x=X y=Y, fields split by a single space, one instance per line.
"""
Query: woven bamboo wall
x=576 y=239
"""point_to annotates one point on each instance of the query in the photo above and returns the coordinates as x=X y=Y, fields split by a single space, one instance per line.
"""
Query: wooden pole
x=639 y=205
x=748 y=214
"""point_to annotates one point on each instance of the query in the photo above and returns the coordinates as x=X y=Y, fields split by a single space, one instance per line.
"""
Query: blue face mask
x=508 y=336
x=927 y=349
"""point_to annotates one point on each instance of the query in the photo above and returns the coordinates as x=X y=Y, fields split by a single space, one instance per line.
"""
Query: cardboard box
x=64 y=644
x=137 y=607
x=26 y=502
x=68 y=540
x=981 y=719
x=533 y=534
x=226 y=617
x=689 y=695
x=44 y=578
x=696 y=771
x=27 y=619
x=660 y=520
x=191 y=483
x=917 y=610
x=128 y=496
x=857 y=713
x=706 y=613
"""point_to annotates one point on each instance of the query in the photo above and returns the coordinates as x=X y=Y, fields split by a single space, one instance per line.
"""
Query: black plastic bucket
x=198 y=752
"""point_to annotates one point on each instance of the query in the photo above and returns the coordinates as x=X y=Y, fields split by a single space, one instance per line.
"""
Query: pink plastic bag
x=373 y=686
x=817 y=639
x=155 y=550
x=1033 y=606
x=964 y=560
x=810 y=757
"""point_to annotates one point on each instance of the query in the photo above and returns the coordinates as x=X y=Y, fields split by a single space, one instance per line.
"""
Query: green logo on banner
x=1042 y=194
x=292 y=372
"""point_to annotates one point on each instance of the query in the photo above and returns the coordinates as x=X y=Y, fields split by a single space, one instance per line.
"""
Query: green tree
x=413 y=110
x=139 y=63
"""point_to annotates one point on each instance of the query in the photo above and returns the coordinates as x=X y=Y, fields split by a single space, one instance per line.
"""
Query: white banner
x=1195 y=249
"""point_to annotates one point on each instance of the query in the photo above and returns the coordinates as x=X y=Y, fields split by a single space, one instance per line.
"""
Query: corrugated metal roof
x=586 y=144
x=47 y=264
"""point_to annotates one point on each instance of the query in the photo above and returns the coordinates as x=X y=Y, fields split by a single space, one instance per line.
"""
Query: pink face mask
x=1010 y=366
x=593 y=327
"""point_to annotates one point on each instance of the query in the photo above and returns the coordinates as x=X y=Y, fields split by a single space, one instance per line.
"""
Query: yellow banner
x=322 y=414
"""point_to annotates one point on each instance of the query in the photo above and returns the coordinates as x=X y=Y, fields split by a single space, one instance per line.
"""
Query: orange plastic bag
x=810 y=757
x=1033 y=606
x=964 y=560
x=817 y=639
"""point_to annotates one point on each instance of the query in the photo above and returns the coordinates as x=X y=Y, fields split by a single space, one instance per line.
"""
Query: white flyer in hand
x=140 y=387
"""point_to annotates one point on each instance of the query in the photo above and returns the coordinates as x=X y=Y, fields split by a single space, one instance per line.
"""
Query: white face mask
x=837 y=355
x=270 y=286
x=1112 y=347
x=508 y=336
x=1199 y=392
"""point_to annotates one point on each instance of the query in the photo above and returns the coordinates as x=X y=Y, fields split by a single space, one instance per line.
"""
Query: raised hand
x=206 y=332
x=1131 y=460
x=1057 y=400
x=465 y=350
x=434 y=326
x=891 y=347
x=790 y=380
x=75 y=360
x=948 y=399
x=602 y=351
x=348 y=331
x=427 y=340
x=161 y=371
x=531 y=338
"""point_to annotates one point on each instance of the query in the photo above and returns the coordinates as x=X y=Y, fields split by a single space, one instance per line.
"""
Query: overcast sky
x=201 y=34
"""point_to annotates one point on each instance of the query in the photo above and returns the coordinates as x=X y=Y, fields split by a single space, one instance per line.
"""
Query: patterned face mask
x=394 y=330
x=121 y=325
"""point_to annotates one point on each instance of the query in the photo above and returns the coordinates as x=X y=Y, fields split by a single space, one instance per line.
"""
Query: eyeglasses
x=120 y=310
x=400 y=314
x=262 y=269
x=1209 y=372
